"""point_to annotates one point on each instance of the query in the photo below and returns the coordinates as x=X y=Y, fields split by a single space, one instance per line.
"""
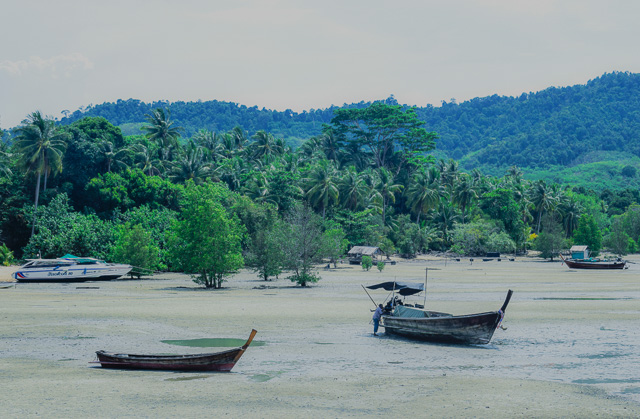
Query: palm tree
x=113 y=157
x=162 y=131
x=444 y=218
x=387 y=188
x=323 y=189
x=352 y=189
x=191 y=165
x=146 y=161
x=265 y=146
x=544 y=198
x=570 y=210
x=465 y=193
x=238 y=138
x=41 y=146
x=423 y=193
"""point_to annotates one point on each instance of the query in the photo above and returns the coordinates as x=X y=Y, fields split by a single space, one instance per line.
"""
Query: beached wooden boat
x=593 y=263
x=218 y=361
x=434 y=326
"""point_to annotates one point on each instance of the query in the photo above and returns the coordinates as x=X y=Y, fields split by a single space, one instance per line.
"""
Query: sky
x=63 y=55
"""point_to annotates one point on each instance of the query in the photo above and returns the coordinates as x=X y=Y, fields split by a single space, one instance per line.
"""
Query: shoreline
x=568 y=349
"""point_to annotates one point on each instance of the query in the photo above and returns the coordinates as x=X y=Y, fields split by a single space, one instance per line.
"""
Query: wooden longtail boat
x=219 y=361
x=594 y=263
x=434 y=326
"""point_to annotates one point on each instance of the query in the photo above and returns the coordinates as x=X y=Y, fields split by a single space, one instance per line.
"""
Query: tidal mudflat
x=570 y=349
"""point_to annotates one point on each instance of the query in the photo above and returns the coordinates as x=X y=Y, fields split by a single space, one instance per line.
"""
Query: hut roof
x=578 y=248
x=364 y=250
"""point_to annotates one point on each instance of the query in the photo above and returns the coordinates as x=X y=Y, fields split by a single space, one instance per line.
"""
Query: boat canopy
x=402 y=288
x=79 y=260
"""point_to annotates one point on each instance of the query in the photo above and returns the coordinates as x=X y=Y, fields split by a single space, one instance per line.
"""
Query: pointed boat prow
x=251 y=336
x=506 y=301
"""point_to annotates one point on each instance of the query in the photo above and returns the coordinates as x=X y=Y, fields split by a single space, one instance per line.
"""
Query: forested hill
x=557 y=126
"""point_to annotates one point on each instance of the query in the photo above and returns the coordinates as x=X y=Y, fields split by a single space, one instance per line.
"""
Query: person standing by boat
x=376 y=319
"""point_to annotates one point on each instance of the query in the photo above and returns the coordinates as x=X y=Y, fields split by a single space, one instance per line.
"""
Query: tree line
x=537 y=131
x=213 y=202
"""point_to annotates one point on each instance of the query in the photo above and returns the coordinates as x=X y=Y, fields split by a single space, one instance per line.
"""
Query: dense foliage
x=212 y=202
x=544 y=131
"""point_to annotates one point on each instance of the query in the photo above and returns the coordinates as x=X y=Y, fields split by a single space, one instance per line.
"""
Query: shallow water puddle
x=212 y=343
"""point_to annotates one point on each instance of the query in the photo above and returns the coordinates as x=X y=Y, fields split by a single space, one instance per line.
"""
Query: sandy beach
x=571 y=347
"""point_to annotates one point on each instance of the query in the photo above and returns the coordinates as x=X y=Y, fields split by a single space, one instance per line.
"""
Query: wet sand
x=571 y=348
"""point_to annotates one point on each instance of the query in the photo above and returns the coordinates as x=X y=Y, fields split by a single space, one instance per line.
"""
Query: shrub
x=367 y=262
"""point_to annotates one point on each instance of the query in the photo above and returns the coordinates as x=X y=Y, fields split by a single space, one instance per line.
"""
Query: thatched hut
x=356 y=253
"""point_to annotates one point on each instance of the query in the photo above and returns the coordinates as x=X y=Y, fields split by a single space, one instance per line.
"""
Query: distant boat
x=218 y=361
x=594 y=263
x=70 y=268
x=440 y=327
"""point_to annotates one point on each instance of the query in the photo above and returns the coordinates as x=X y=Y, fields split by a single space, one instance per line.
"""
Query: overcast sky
x=66 y=54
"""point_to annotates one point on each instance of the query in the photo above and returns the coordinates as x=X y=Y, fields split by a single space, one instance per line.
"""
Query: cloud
x=57 y=66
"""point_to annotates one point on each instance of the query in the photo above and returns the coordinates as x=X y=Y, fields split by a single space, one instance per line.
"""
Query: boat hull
x=595 y=265
x=223 y=361
x=219 y=361
x=466 y=329
x=74 y=273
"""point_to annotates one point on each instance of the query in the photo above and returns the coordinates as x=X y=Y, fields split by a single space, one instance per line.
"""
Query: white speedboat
x=70 y=269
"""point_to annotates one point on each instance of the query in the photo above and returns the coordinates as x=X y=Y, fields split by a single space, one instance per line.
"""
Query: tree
x=423 y=193
x=323 y=189
x=206 y=242
x=618 y=240
x=367 y=262
x=334 y=243
x=387 y=189
x=551 y=240
x=544 y=199
x=41 y=146
x=380 y=266
x=588 y=234
x=301 y=242
x=6 y=256
x=136 y=247
x=629 y=171
x=162 y=131
x=264 y=255
x=191 y=165
x=384 y=130
x=61 y=230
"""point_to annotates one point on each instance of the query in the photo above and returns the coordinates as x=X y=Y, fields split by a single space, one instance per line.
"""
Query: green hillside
x=560 y=133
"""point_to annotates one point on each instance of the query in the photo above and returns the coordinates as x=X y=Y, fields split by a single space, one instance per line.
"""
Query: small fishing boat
x=218 y=361
x=414 y=322
x=69 y=268
x=595 y=263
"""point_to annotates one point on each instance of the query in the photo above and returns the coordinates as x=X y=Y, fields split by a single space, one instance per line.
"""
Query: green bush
x=136 y=247
x=6 y=256
x=367 y=262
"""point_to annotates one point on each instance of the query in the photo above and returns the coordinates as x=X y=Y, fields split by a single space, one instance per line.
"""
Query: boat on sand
x=219 y=361
x=69 y=268
x=416 y=323
x=595 y=263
